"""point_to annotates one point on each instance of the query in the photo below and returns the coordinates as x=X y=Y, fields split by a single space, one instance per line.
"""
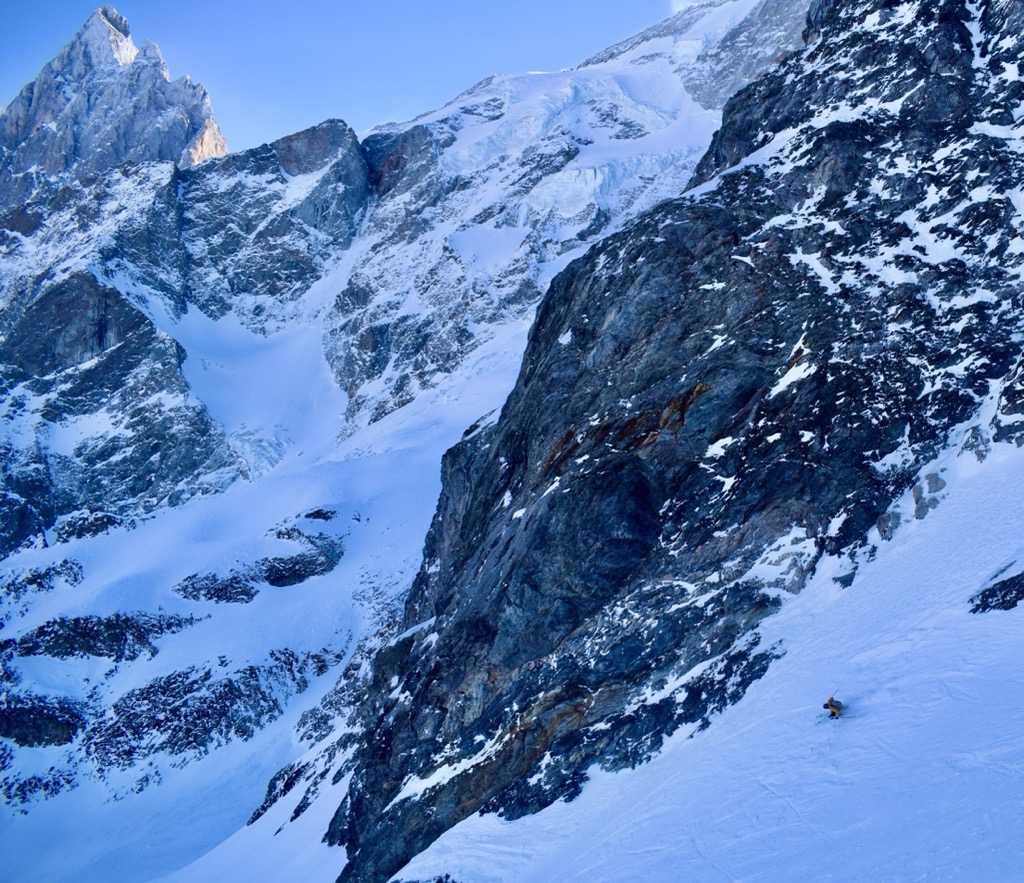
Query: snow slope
x=921 y=778
x=383 y=487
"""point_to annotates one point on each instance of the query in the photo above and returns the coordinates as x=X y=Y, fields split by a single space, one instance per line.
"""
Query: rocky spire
x=105 y=39
x=100 y=102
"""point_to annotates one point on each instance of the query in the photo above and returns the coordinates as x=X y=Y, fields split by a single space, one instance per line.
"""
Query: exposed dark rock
x=325 y=552
x=76 y=525
x=401 y=160
x=232 y=589
x=118 y=637
x=1008 y=423
x=1003 y=595
x=190 y=713
x=21 y=219
x=312 y=149
x=294 y=569
x=108 y=360
x=64 y=573
x=280 y=786
x=239 y=242
x=321 y=514
x=92 y=319
x=22 y=525
x=240 y=586
x=36 y=720
x=629 y=739
x=18 y=792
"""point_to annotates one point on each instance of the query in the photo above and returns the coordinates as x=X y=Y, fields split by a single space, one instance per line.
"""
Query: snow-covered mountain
x=726 y=408
x=749 y=387
x=491 y=195
x=227 y=388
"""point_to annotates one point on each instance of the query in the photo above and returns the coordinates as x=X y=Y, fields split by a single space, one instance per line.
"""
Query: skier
x=834 y=706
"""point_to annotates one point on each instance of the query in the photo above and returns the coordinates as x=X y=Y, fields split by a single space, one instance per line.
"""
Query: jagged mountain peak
x=100 y=102
x=105 y=38
x=113 y=19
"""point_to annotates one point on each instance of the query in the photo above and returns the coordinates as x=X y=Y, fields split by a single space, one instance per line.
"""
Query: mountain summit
x=100 y=102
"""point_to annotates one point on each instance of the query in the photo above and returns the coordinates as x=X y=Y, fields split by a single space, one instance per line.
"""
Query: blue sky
x=273 y=68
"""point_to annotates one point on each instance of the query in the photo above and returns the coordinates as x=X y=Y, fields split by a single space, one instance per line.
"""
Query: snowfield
x=383 y=485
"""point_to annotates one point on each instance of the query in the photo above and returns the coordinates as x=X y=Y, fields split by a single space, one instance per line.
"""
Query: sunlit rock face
x=100 y=102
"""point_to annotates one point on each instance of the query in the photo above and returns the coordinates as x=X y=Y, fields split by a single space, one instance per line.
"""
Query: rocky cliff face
x=117 y=240
x=104 y=431
x=93 y=390
x=83 y=404
x=735 y=388
x=259 y=227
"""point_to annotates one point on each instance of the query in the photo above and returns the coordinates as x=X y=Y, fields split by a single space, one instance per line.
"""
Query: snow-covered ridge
x=105 y=39
x=521 y=174
x=683 y=36
x=717 y=47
